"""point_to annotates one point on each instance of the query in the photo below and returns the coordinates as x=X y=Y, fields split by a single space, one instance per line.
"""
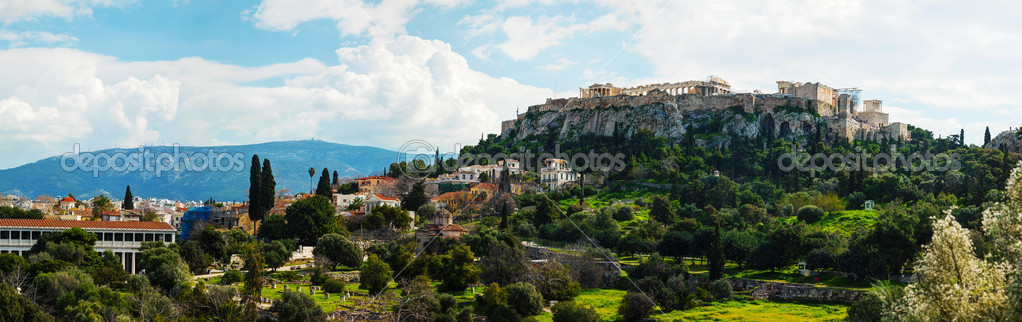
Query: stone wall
x=774 y=291
x=875 y=119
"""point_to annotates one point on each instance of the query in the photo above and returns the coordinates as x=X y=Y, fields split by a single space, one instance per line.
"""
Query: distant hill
x=290 y=161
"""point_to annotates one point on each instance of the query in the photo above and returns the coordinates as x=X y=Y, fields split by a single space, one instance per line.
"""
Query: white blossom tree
x=956 y=285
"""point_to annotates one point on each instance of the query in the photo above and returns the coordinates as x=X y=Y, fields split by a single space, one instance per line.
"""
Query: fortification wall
x=686 y=102
x=875 y=119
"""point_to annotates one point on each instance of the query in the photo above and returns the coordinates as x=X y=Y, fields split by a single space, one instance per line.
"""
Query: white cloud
x=528 y=36
x=20 y=10
x=560 y=64
x=19 y=39
x=384 y=93
x=354 y=17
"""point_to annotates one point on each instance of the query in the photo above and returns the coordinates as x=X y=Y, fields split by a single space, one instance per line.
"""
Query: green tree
x=416 y=197
x=7 y=212
x=387 y=216
x=164 y=268
x=255 y=267
x=275 y=254
x=231 y=277
x=214 y=243
x=339 y=250
x=524 y=298
x=297 y=307
x=375 y=275
x=193 y=255
x=101 y=204
x=17 y=308
x=635 y=306
x=309 y=218
x=986 y=136
x=129 y=200
x=274 y=227
x=323 y=188
x=312 y=174
x=554 y=281
x=810 y=214
x=572 y=311
x=459 y=269
x=268 y=189
x=662 y=210
x=255 y=190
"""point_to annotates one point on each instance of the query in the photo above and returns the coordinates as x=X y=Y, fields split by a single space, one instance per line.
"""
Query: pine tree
x=323 y=189
x=961 y=138
x=255 y=183
x=986 y=137
x=129 y=200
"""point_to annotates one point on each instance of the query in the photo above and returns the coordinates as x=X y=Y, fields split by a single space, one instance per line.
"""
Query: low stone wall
x=762 y=290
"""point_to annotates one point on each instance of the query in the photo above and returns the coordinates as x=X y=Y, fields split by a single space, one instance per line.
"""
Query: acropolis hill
x=795 y=109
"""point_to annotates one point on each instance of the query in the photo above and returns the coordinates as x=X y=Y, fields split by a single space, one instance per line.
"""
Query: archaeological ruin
x=838 y=108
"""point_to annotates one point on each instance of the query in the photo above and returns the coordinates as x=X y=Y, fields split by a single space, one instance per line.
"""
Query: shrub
x=810 y=214
x=524 y=298
x=570 y=311
x=635 y=307
x=231 y=277
x=721 y=290
x=375 y=275
x=623 y=213
x=526 y=230
x=318 y=278
x=868 y=308
x=333 y=285
x=294 y=306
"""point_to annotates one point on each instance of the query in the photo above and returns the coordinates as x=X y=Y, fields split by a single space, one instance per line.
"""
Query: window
x=35 y=235
x=138 y=237
x=129 y=237
x=168 y=238
x=148 y=237
x=5 y=234
x=118 y=236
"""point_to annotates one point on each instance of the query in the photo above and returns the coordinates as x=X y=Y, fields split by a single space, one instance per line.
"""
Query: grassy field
x=758 y=311
x=844 y=222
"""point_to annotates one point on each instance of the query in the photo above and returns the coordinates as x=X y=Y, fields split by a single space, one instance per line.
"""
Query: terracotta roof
x=52 y=223
x=454 y=227
x=67 y=199
x=484 y=185
x=375 y=177
x=385 y=198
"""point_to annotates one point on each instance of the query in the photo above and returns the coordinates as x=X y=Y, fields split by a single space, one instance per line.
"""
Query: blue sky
x=107 y=73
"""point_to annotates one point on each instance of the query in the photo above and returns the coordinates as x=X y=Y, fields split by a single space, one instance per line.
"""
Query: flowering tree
x=954 y=284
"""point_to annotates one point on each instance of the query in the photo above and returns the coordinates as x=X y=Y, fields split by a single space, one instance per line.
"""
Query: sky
x=124 y=73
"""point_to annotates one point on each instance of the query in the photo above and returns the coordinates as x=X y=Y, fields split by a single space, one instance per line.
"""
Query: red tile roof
x=67 y=199
x=375 y=177
x=91 y=224
x=385 y=198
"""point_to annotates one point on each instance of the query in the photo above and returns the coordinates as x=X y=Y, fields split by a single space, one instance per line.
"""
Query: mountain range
x=290 y=161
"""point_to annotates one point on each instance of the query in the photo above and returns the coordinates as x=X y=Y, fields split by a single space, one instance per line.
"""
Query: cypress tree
x=255 y=202
x=129 y=200
x=986 y=136
x=336 y=181
x=323 y=189
x=961 y=138
x=268 y=189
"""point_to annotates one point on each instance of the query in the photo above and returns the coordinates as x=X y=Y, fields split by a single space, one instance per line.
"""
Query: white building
x=375 y=200
x=556 y=173
x=123 y=238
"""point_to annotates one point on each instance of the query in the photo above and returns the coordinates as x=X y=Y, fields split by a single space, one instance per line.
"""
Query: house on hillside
x=443 y=226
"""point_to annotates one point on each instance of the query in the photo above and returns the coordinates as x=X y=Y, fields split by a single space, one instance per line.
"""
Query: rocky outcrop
x=1010 y=141
x=713 y=118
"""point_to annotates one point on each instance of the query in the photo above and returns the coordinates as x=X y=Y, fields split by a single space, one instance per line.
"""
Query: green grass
x=844 y=222
x=758 y=311
x=328 y=305
x=791 y=275
x=604 y=301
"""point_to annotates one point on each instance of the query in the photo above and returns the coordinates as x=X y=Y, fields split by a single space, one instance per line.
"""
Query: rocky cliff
x=1010 y=141
x=712 y=118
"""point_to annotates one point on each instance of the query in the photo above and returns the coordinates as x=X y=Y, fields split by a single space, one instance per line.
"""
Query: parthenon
x=713 y=86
